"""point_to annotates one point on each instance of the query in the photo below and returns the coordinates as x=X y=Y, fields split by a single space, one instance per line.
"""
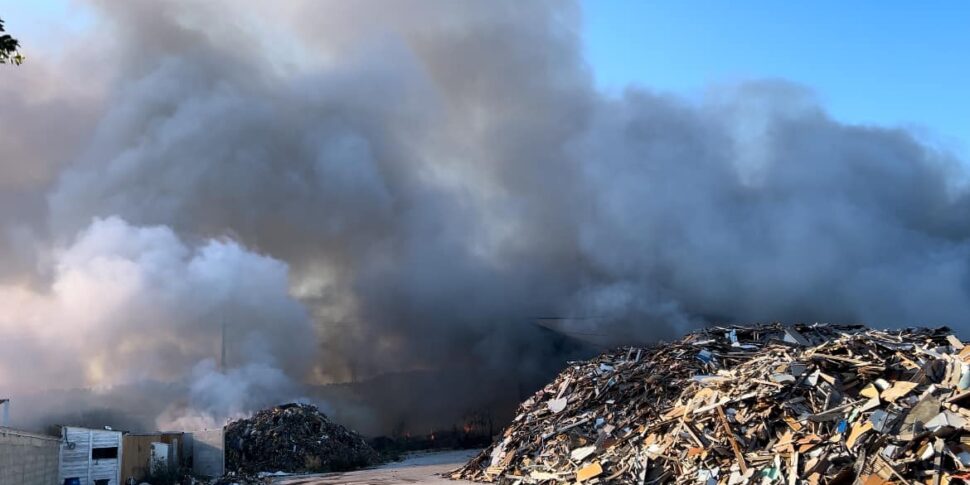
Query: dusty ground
x=416 y=468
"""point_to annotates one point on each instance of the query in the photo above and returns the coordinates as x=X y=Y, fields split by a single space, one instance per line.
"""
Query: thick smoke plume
x=368 y=188
x=128 y=305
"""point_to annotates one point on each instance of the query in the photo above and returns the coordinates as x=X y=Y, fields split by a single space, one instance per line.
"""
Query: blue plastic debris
x=705 y=356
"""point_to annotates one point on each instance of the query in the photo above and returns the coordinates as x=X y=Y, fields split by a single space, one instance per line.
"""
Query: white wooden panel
x=77 y=462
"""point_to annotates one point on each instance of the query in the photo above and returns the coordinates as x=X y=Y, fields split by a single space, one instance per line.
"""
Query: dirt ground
x=416 y=468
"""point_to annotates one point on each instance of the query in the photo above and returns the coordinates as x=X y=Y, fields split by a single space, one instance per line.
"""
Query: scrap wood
x=813 y=404
x=589 y=471
x=294 y=438
x=730 y=437
x=898 y=390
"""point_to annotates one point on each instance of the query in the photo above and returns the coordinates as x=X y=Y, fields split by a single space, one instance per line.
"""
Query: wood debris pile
x=294 y=438
x=768 y=404
x=231 y=478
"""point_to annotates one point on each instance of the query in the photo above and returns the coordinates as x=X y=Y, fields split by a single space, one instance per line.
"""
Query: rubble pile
x=768 y=404
x=294 y=438
x=230 y=479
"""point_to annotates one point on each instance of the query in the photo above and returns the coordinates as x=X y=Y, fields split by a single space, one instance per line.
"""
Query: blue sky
x=887 y=63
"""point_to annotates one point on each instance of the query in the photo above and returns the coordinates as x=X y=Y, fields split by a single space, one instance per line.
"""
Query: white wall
x=76 y=459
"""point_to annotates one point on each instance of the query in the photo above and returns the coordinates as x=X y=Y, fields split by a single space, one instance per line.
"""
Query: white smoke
x=128 y=304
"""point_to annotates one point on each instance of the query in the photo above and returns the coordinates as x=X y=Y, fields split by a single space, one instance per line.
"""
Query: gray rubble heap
x=767 y=404
x=294 y=438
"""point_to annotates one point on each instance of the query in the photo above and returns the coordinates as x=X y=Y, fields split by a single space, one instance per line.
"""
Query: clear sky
x=888 y=63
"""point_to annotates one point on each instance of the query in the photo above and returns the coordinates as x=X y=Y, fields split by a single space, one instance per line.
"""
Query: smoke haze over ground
x=360 y=188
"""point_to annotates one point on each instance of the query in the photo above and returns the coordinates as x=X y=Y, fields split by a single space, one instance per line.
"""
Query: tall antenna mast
x=222 y=361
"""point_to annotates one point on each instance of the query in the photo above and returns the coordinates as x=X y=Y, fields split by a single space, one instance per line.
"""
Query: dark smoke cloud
x=433 y=176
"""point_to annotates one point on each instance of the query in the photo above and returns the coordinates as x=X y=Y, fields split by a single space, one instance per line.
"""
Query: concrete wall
x=208 y=452
x=27 y=458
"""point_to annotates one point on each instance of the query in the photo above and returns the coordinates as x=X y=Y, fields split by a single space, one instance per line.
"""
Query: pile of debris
x=294 y=438
x=729 y=405
x=232 y=478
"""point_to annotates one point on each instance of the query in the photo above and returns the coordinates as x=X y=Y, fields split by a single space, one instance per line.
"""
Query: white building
x=92 y=456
